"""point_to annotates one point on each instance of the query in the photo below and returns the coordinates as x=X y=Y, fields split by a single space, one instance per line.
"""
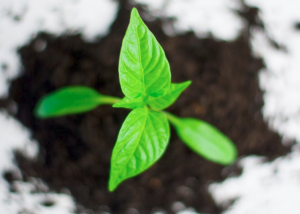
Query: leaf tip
x=134 y=11
x=111 y=189
x=186 y=84
x=189 y=82
x=39 y=109
x=112 y=185
x=231 y=157
x=135 y=16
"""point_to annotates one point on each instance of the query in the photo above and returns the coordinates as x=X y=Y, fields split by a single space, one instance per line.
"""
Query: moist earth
x=75 y=150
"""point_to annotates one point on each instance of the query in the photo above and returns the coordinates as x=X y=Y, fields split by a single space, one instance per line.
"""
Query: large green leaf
x=71 y=100
x=143 y=67
x=164 y=101
x=132 y=103
x=204 y=139
x=141 y=141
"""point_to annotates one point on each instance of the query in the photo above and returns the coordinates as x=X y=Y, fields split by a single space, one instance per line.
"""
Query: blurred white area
x=15 y=137
x=281 y=78
x=263 y=187
x=24 y=201
x=203 y=17
x=21 y=20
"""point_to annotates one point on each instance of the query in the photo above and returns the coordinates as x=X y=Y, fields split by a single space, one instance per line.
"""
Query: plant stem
x=172 y=118
x=109 y=100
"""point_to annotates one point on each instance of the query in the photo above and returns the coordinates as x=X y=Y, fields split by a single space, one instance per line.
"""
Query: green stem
x=109 y=100
x=172 y=118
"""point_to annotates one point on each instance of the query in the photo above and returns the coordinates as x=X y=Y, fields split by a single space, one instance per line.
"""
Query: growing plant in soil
x=145 y=80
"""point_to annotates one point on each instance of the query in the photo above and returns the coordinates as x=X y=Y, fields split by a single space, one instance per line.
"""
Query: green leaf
x=131 y=103
x=70 y=100
x=143 y=67
x=142 y=140
x=204 y=139
x=164 y=101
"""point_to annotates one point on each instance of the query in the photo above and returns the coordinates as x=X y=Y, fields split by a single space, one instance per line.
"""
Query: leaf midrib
x=139 y=139
x=140 y=56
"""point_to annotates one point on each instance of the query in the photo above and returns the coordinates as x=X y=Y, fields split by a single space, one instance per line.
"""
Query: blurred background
x=242 y=56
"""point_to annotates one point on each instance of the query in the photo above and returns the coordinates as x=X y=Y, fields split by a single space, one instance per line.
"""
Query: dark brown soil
x=75 y=150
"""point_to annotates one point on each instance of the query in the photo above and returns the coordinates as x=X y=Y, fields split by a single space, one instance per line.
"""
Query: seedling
x=145 y=80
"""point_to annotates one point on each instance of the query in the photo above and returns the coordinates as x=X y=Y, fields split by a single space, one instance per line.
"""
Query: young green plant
x=145 y=79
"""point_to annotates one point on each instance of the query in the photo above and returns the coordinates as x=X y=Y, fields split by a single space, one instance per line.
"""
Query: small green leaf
x=204 y=139
x=164 y=101
x=142 y=140
x=131 y=103
x=70 y=100
x=143 y=67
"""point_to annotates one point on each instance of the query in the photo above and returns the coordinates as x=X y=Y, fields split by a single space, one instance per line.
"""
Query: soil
x=75 y=150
